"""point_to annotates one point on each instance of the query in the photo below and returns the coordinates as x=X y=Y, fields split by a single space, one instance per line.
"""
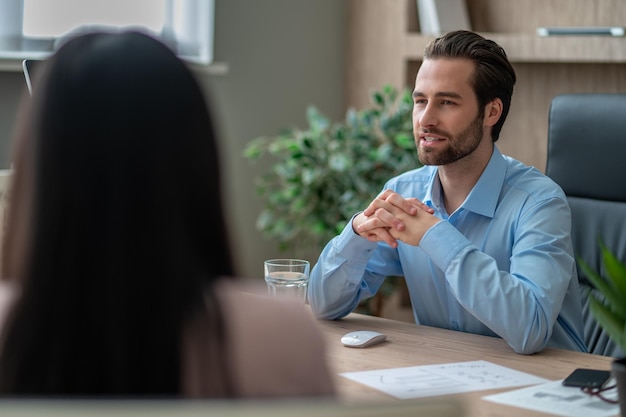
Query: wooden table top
x=409 y=344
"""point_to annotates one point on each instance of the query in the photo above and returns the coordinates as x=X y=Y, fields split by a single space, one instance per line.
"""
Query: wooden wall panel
x=524 y=16
x=525 y=133
x=376 y=32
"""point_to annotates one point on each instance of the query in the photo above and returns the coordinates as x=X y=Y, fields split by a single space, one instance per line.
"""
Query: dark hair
x=116 y=216
x=494 y=76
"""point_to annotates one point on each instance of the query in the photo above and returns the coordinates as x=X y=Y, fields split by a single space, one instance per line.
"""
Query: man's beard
x=458 y=147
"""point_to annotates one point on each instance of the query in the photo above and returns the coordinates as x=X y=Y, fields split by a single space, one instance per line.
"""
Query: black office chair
x=586 y=157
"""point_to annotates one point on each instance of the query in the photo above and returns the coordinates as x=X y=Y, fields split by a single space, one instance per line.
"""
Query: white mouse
x=362 y=338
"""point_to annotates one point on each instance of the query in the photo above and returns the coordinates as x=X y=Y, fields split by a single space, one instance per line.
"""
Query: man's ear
x=493 y=111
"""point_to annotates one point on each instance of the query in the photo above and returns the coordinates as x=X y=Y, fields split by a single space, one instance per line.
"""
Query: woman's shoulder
x=278 y=347
x=248 y=306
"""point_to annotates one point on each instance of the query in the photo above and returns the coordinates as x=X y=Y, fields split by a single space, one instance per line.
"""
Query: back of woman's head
x=118 y=189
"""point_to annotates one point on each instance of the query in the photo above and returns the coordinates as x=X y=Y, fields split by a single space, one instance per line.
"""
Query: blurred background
x=275 y=58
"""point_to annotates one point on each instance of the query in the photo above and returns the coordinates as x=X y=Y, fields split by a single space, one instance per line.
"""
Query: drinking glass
x=287 y=277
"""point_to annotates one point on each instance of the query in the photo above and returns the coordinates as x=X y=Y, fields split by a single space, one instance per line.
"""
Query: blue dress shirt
x=501 y=265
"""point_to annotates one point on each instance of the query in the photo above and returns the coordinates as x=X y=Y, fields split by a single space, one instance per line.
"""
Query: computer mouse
x=362 y=338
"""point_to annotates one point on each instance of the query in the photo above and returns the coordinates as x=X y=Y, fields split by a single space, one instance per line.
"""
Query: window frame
x=189 y=34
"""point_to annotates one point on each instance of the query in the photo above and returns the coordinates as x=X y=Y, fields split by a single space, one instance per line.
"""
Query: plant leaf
x=605 y=288
x=606 y=301
x=612 y=324
x=321 y=175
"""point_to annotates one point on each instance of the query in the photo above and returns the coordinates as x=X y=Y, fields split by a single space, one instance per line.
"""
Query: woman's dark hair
x=494 y=76
x=116 y=219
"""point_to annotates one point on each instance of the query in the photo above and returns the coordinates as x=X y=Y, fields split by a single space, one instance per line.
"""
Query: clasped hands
x=391 y=218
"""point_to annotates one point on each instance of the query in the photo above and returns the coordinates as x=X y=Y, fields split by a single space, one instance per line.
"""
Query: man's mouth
x=430 y=139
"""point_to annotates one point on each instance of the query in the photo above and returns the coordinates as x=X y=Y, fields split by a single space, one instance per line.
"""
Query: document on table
x=554 y=398
x=446 y=378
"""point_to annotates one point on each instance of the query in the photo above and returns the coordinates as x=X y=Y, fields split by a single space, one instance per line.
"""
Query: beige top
x=276 y=348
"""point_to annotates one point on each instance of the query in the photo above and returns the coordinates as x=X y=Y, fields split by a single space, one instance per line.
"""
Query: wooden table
x=412 y=345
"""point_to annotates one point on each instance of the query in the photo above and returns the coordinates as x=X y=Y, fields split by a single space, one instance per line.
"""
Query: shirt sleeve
x=522 y=304
x=350 y=269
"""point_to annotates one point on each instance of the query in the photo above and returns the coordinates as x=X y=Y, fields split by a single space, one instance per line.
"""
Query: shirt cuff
x=442 y=243
x=350 y=245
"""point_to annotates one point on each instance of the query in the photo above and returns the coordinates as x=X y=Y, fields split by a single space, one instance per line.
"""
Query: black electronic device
x=587 y=378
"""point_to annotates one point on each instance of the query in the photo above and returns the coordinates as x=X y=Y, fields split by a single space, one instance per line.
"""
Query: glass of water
x=287 y=277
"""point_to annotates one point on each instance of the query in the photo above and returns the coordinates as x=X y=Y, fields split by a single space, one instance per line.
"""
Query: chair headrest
x=587 y=145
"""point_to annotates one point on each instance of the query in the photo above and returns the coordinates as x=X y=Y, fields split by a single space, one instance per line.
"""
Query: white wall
x=282 y=55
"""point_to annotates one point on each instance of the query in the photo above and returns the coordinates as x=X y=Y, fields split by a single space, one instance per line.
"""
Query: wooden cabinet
x=384 y=46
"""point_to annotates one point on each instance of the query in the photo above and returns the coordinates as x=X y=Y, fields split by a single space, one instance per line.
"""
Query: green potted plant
x=323 y=174
x=608 y=306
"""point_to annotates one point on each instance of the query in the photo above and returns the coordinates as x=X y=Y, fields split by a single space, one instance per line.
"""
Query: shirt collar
x=483 y=199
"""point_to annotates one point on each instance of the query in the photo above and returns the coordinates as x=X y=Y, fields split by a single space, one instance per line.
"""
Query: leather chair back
x=587 y=158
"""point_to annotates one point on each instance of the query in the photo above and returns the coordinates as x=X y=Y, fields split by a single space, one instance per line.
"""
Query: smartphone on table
x=587 y=378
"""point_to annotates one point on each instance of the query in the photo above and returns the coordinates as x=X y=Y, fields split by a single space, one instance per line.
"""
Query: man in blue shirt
x=482 y=240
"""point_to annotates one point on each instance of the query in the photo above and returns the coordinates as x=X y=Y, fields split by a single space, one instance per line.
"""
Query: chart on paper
x=447 y=378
